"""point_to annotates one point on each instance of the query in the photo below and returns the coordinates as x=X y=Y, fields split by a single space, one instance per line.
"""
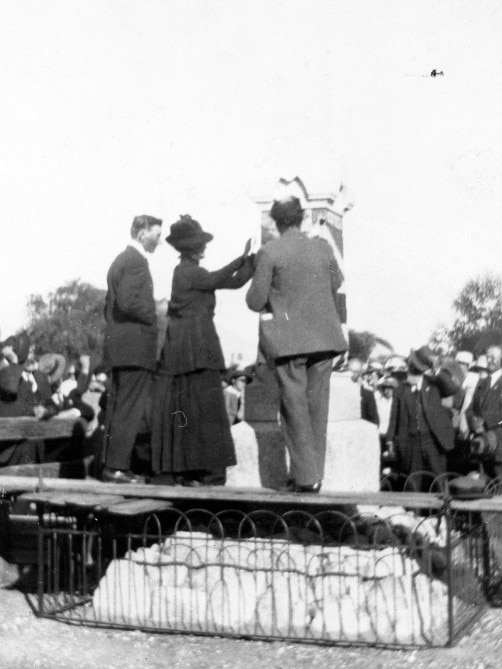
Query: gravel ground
x=26 y=641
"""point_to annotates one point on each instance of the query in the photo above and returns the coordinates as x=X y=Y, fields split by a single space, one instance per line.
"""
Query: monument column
x=324 y=212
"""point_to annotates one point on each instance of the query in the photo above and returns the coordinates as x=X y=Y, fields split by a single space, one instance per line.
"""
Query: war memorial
x=352 y=565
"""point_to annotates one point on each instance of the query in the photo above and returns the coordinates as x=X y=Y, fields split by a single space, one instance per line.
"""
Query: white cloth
x=384 y=405
x=29 y=378
x=67 y=386
x=471 y=381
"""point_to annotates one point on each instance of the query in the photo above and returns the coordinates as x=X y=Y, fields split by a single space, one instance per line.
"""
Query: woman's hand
x=247 y=249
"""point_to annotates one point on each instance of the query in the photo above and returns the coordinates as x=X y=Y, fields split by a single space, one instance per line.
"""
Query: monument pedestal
x=352 y=450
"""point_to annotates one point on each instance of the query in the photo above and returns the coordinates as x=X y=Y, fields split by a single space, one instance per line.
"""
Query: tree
x=361 y=344
x=69 y=320
x=478 y=317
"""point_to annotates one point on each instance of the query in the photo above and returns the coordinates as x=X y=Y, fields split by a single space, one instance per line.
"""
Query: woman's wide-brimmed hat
x=187 y=234
x=52 y=364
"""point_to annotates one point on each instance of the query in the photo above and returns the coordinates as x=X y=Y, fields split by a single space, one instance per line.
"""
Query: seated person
x=70 y=405
x=24 y=391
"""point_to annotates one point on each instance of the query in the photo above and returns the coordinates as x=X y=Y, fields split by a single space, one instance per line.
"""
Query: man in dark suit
x=130 y=348
x=420 y=427
x=485 y=414
x=295 y=286
x=369 y=411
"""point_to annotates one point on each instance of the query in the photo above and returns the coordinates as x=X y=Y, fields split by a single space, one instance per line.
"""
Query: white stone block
x=261 y=456
x=352 y=457
x=344 y=398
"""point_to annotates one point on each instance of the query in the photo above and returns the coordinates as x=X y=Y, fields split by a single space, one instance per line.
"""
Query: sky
x=114 y=108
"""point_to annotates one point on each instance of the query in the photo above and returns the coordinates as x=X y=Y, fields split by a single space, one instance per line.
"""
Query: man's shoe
x=315 y=488
x=290 y=486
x=110 y=475
x=191 y=483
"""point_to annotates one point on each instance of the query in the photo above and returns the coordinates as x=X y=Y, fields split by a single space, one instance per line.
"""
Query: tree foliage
x=478 y=317
x=69 y=320
x=361 y=344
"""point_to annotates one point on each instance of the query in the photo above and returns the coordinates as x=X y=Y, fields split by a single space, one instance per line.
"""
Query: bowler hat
x=52 y=364
x=237 y=373
x=421 y=359
x=187 y=234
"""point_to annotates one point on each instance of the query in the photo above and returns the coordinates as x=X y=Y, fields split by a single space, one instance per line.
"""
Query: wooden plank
x=49 y=470
x=136 y=507
x=258 y=496
x=32 y=428
x=80 y=500
x=478 y=505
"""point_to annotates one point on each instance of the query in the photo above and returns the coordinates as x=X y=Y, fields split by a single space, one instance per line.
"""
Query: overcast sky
x=115 y=108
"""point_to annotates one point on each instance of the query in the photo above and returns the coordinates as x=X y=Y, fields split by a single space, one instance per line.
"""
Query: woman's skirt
x=190 y=428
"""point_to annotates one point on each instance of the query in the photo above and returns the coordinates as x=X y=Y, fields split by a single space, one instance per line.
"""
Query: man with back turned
x=295 y=288
x=130 y=348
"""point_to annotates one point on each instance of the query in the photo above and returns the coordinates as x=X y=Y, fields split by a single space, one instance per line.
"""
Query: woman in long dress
x=191 y=438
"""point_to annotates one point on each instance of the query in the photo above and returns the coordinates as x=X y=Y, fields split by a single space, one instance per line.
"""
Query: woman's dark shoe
x=315 y=488
x=110 y=475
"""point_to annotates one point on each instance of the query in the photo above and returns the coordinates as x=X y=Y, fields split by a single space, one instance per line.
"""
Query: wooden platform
x=258 y=496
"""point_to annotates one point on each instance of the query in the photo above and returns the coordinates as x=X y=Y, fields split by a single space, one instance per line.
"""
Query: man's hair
x=287 y=213
x=143 y=223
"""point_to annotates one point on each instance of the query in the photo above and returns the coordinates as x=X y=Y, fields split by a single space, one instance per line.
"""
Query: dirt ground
x=29 y=642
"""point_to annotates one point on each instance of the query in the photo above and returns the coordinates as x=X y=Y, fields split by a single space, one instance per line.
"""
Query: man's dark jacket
x=402 y=424
x=487 y=404
x=295 y=284
x=131 y=323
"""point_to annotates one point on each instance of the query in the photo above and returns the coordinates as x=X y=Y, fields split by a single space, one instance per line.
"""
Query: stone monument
x=353 y=447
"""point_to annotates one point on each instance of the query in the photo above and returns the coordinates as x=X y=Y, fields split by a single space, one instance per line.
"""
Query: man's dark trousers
x=125 y=414
x=304 y=382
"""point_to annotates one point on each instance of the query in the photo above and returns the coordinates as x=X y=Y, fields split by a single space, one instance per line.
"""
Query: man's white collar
x=495 y=377
x=136 y=245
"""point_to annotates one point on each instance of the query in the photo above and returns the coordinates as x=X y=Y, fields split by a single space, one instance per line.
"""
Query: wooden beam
x=50 y=470
x=31 y=428
x=258 y=496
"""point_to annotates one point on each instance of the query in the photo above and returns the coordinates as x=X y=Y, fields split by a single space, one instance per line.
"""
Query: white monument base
x=352 y=457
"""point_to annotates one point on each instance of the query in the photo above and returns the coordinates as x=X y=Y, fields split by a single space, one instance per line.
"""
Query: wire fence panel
x=398 y=579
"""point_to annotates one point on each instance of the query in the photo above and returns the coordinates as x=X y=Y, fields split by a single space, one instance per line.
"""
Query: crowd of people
x=437 y=415
x=45 y=387
x=434 y=413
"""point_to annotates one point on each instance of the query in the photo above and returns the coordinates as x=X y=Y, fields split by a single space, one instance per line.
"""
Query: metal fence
x=390 y=577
